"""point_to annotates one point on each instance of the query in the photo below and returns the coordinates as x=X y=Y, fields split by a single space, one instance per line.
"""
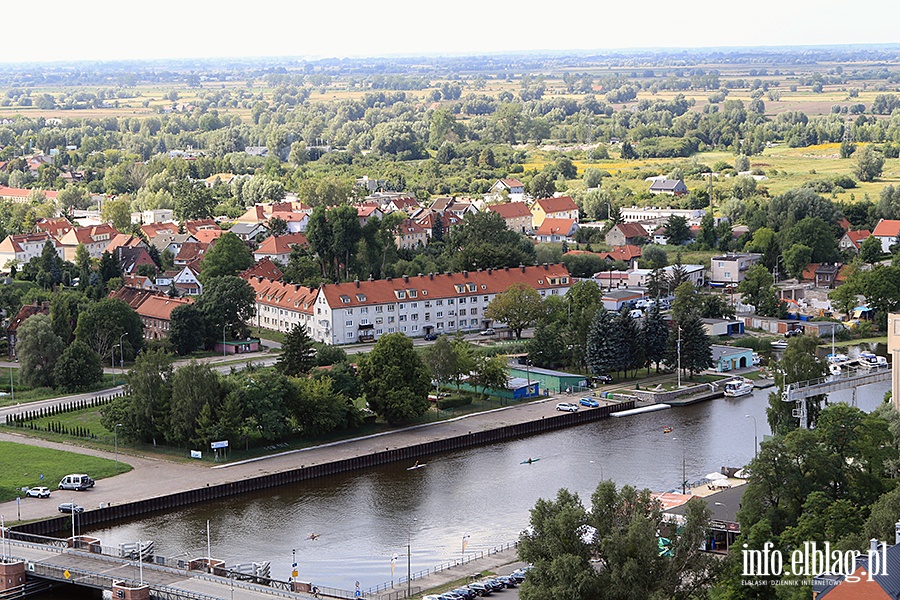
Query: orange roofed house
x=154 y=309
x=562 y=207
x=95 y=239
x=516 y=214
x=19 y=249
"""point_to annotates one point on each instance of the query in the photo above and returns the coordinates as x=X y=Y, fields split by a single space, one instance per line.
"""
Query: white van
x=77 y=482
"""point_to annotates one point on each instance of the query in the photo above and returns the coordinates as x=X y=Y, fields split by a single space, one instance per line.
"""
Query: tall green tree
x=78 y=368
x=655 y=334
x=799 y=363
x=548 y=347
x=490 y=372
x=227 y=302
x=677 y=230
x=601 y=355
x=519 y=307
x=298 y=353
x=194 y=386
x=187 y=329
x=869 y=163
x=870 y=250
x=582 y=300
x=38 y=349
x=757 y=289
x=106 y=323
x=394 y=379
x=228 y=256
x=145 y=412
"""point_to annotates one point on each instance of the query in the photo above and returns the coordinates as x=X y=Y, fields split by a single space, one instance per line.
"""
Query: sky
x=115 y=30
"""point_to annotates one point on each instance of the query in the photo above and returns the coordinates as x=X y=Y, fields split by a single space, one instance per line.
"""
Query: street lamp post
x=409 y=558
x=116 y=430
x=679 y=358
x=755 y=438
x=224 y=324
x=121 y=357
x=723 y=505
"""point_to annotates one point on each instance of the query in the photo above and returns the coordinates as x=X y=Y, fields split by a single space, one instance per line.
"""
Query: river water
x=364 y=518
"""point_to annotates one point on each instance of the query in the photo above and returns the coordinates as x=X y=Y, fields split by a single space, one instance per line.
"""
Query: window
x=401 y=294
x=474 y=322
x=364 y=322
x=349 y=334
x=440 y=315
x=415 y=316
x=460 y=288
x=451 y=324
x=390 y=330
x=379 y=309
x=379 y=320
x=414 y=305
x=485 y=299
x=427 y=316
x=390 y=308
x=364 y=311
x=440 y=326
x=348 y=323
x=402 y=318
x=345 y=299
x=379 y=331
x=390 y=320
x=415 y=327
x=403 y=328
x=471 y=287
x=438 y=302
x=462 y=300
x=412 y=293
x=462 y=311
x=349 y=311
x=450 y=301
x=361 y=297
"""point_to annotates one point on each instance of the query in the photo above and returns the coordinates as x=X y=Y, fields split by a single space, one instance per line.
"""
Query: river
x=364 y=518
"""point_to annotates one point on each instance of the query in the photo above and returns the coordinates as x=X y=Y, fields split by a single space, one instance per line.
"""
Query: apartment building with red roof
x=21 y=248
x=22 y=195
x=280 y=306
x=517 y=215
x=410 y=235
x=556 y=230
x=151 y=230
x=56 y=227
x=560 y=207
x=278 y=247
x=154 y=309
x=94 y=238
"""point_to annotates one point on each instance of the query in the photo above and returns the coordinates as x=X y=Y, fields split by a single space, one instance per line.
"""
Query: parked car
x=480 y=589
x=494 y=583
x=567 y=407
x=793 y=332
x=601 y=379
x=430 y=337
x=636 y=314
x=507 y=581
x=78 y=482
x=488 y=331
x=518 y=575
x=38 y=492
x=466 y=593
x=589 y=402
x=70 y=507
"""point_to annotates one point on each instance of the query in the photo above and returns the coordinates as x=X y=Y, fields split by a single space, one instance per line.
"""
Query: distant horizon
x=660 y=50
x=107 y=31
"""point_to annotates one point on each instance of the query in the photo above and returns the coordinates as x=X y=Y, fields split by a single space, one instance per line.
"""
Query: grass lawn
x=848 y=343
x=24 y=395
x=22 y=466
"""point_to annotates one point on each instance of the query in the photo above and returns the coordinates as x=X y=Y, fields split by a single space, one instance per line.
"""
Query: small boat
x=837 y=358
x=418 y=465
x=834 y=369
x=738 y=387
x=779 y=344
x=667 y=429
x=529 y=461
x=756 y=359
x=869 y=360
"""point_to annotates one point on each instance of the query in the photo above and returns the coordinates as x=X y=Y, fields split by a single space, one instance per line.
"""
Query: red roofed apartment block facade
x=278 y=247
x=22 y=248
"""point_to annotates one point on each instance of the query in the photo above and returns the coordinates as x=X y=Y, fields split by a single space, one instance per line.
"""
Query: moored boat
x=738 y=387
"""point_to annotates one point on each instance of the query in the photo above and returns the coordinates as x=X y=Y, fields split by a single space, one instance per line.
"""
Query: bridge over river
x=849 y=379
x=52 y=563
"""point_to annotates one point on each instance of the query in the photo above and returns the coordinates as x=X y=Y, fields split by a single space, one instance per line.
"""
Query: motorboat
x=756 y=359
x=871 y=361
x=738 y=387
x=837 y=358
x=779 y=344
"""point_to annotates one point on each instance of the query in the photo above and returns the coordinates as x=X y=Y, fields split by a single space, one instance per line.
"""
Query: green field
x=22 y=466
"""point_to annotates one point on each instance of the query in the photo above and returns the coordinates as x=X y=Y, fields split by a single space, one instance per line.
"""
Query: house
x=21 y=195
x=278 y=247
x=561 y=207
x=123 y=240
x=415 y=306
x=186 y=281
x=196 y=225
x=219 y=178
x=249 y=232
x=140 y=282
x=637 y=214
x=130 y=258
x=626 y=234
x=153 y=229
x=672 y=187
x=731 y=268
x=21 y=248
x=171 y=242
x=852 y=240
x=208 y=236
x=406 y=204
x=94 y=238
x=823 y=275
x=426 y=220
x=625 y=253
x=264 y=268
x=723 y=327
x=12 y=329
x=888 y=232
x=410 y=234
x=516 y=214
x=556 y=230
x=874 y=575
x=157 y=215
x=615 y=299
x=57 y=227
x=366 y=212
x=190 y=253
x=280 y=306
x=511 y=188
x=154 y=309
x=729 y=358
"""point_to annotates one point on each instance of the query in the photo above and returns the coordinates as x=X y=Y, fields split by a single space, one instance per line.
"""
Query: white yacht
x=738 y=387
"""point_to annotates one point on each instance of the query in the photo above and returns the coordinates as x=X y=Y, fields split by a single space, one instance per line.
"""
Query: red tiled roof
x=123 y=240
x=151 y=230
x=264 y=268
x=194 y=226
x=809 y=273
x=858 y=237
x=409 y=227
x=281 y=244
x=13 y=243
x=208 y=236
x=552 y=205
x=9 y=192
x=510 y=210
x=191 y=251
x=887 y=228
x=26 y=311
x=631 y=230
x=161 y=306
x=512 y=182
x=90 y=235
x=555 y=227
x=626 y=253
x=440 y=285
x=55 y=227
x=285 y=295
x=405 y=202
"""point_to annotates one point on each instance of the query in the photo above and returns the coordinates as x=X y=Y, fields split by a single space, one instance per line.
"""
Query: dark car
x=494 y=584
x=70 y=507
x=604 y=379
x=430 y=337
x=518 y=575
x=507 y=581
x=466 y=593
x=480 y=588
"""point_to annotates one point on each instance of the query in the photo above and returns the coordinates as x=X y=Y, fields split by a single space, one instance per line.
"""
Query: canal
x=360 y=520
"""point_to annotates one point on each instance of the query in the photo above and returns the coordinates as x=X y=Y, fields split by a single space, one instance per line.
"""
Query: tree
x=187 y=329
x=519 y=307
x=38 y=350
x=677 y=230
x=319 y=408
x=543 y=185
x=490 y=372
x=194 y=386
x=601 y=354
x=193 y=200
x=394 y=379
x=655 y=333
x=102 y=324
x=799 y=363
x=796 y=258
x=146 y=409
x=582 y=300
x=818 y=235
x=277 y=226
x=756 y=289
x=228 y=256
x=869 y=163
x=548 y=348
x=441 y=358
x=228 y=301
x=117 y=212
x=870 y=250
x=628 y=339
x=696 y=352
x=298 y=353
x=78 y=368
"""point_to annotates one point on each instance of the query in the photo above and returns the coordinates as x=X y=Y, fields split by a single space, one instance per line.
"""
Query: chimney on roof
x=371 y=278
x=479 y=270
x=406 y=279
x=420 y=274
x=506 y=268
x=546 y=267
x=431 y=276
x=357 y=282
x=390 y=279
x=466 y=274
x=521 y=266
x=490 y=271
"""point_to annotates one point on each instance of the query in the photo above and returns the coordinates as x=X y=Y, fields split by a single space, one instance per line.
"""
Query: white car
x=488 y=331
x=567 y=407
x=38 y=492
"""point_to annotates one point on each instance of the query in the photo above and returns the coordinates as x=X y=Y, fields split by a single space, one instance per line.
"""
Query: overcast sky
x=113 y=29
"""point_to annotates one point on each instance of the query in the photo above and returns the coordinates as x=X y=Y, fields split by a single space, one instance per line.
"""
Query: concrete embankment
x=405 y=445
